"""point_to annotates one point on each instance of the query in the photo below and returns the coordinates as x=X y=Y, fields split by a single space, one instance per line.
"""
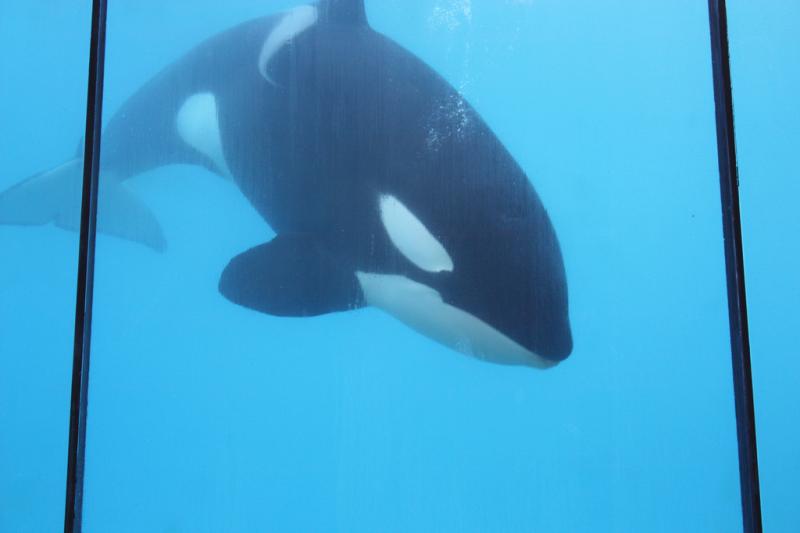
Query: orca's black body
x=382 y=184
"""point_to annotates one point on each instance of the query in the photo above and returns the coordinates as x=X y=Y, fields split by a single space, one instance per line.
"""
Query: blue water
x=765 y=51
x=207 y=417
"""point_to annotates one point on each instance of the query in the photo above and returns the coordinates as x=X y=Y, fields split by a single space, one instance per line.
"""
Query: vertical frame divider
x=734 y=269
x=85 y=285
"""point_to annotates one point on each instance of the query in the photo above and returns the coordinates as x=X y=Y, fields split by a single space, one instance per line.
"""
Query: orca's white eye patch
x=198 y=126
x=291 y=25
x=412 y=238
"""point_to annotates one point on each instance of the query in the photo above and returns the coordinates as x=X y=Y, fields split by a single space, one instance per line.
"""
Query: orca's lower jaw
x=422 y=308
x=541 y=355
x=541 y=343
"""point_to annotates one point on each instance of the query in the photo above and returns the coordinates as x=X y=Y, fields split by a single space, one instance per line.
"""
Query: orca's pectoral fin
x=54 y=197
x=292 y=275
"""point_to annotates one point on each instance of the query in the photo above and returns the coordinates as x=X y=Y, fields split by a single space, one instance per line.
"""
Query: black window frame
x=732 y=241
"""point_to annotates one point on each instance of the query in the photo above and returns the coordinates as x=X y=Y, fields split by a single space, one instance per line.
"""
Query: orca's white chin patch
x=198 y=126
x=410 y=236
x=291 y=25
x=422 y=308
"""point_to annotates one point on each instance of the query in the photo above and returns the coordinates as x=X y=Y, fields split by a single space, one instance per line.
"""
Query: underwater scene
x=399 y=265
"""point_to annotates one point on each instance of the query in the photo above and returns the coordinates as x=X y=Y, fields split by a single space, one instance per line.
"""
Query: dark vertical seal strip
x=734 y=266
x=83 y=309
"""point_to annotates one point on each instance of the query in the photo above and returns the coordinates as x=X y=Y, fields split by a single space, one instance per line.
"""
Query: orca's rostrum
x=385 y=188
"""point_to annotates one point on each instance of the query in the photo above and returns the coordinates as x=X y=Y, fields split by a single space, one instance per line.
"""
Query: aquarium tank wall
x=398 y=265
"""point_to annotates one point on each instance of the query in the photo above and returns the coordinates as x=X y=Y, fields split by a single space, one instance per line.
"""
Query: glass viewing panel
x=43 y=105
x=764 y=55
x=409 y=231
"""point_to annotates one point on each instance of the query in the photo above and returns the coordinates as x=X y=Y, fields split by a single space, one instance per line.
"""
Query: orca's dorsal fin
x=343 y=12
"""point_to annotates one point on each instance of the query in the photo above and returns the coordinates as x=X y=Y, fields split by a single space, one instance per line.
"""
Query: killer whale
x=384 y=186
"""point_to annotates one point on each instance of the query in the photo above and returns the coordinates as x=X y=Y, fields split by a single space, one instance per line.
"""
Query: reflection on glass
x=42 y=102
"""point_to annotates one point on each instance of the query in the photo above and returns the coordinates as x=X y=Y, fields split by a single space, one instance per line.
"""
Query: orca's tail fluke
x=54 y=196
